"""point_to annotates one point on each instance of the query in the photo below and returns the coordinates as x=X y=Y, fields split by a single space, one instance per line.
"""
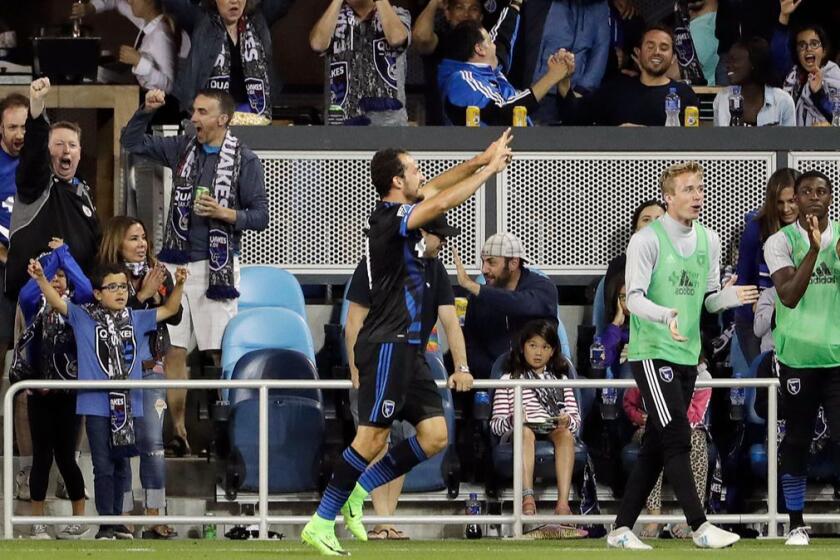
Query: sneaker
x=39 y=532
x=625 y=538
x=352 y=511
x=709 y=536
x=123 y=533
x=320 y=535
x=798 y=537
x=72 y=532
x=22 y=484
x=105 y=533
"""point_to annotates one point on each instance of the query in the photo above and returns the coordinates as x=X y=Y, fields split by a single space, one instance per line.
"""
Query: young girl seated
x=110 y=341
x=549 y=412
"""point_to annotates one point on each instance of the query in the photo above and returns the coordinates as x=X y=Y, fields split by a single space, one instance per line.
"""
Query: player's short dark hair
x=459 y=44
x=812 y=175
x=656 y=27
x=13 y=101
x=385 y=165
x=97 y=278
x=227 y=106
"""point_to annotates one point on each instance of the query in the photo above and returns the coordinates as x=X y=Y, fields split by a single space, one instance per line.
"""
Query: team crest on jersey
x=386 y=62
x=388 y=409
x=794 y=385
x=666 y=373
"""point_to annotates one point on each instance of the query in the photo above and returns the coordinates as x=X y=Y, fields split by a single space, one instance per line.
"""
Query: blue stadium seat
x=274 y=364
x=262 y=328
x=544 y=453
x=297 y=431
x=432 y=475
x=599 y=309
x=269 y=286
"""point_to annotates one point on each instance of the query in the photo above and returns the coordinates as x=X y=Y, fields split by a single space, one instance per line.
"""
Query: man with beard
x=512 y=296
x=393 y=376
x=625 y=100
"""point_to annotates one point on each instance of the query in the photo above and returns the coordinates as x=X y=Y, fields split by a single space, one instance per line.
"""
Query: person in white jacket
x=154 y=53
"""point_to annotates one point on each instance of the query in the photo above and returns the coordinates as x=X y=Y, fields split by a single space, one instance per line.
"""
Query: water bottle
x=737 y=396
x=597 y=359
x=482 y=407
x=672 y=108
x=835 y=110
x=609 y=396
x=736 y=106
x=473 y=530
x=209 y=529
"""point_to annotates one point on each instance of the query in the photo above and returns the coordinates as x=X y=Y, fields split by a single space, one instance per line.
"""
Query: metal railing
x=263 y=518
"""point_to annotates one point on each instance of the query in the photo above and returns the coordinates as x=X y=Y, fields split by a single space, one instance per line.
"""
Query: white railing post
x=8 y=481
x=263 y=447
x=772 y=467
x=518 y=423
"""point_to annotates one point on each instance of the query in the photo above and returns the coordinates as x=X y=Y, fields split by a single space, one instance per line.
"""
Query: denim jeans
x=149 y=431
x=110 y=475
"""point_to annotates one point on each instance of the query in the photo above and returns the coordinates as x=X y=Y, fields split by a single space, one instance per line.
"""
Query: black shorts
x=395 y=383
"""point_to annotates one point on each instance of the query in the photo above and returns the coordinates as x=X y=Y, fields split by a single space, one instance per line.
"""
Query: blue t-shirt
x=8 y=168
x=95 y=403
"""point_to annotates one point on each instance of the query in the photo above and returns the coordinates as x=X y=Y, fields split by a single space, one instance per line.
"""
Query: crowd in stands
x=566 y=62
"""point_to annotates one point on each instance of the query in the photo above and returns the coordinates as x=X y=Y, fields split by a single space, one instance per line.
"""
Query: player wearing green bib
x=804 y=263
x=672 y=272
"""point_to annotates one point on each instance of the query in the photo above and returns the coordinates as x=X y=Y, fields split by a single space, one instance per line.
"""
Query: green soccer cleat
x=352 y=511
x=320 y=535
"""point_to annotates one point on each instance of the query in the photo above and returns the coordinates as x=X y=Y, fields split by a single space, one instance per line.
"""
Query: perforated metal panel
x=825 y=162
x=573 y=211
x=319 y=204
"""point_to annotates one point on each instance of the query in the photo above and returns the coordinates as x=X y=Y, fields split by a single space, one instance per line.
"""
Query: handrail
x=772 y=517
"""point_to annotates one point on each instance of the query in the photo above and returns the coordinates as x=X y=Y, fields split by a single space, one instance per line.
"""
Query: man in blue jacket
x=473 y=74
x=512 y=296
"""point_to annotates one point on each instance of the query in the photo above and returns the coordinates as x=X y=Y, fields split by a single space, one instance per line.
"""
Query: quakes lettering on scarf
x=224 y=172
x=249 y=54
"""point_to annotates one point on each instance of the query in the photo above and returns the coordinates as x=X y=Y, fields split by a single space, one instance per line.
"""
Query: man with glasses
x=804 y=263
x=673 y=270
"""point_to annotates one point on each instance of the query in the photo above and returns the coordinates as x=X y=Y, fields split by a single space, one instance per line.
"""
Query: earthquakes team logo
x=822 y=275
x=666 y=373
x=388 y=408
x=794 y=385
x=684 y=282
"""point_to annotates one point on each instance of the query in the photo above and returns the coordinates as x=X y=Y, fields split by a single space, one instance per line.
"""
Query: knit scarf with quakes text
x=253 y=67
x=176 y=244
